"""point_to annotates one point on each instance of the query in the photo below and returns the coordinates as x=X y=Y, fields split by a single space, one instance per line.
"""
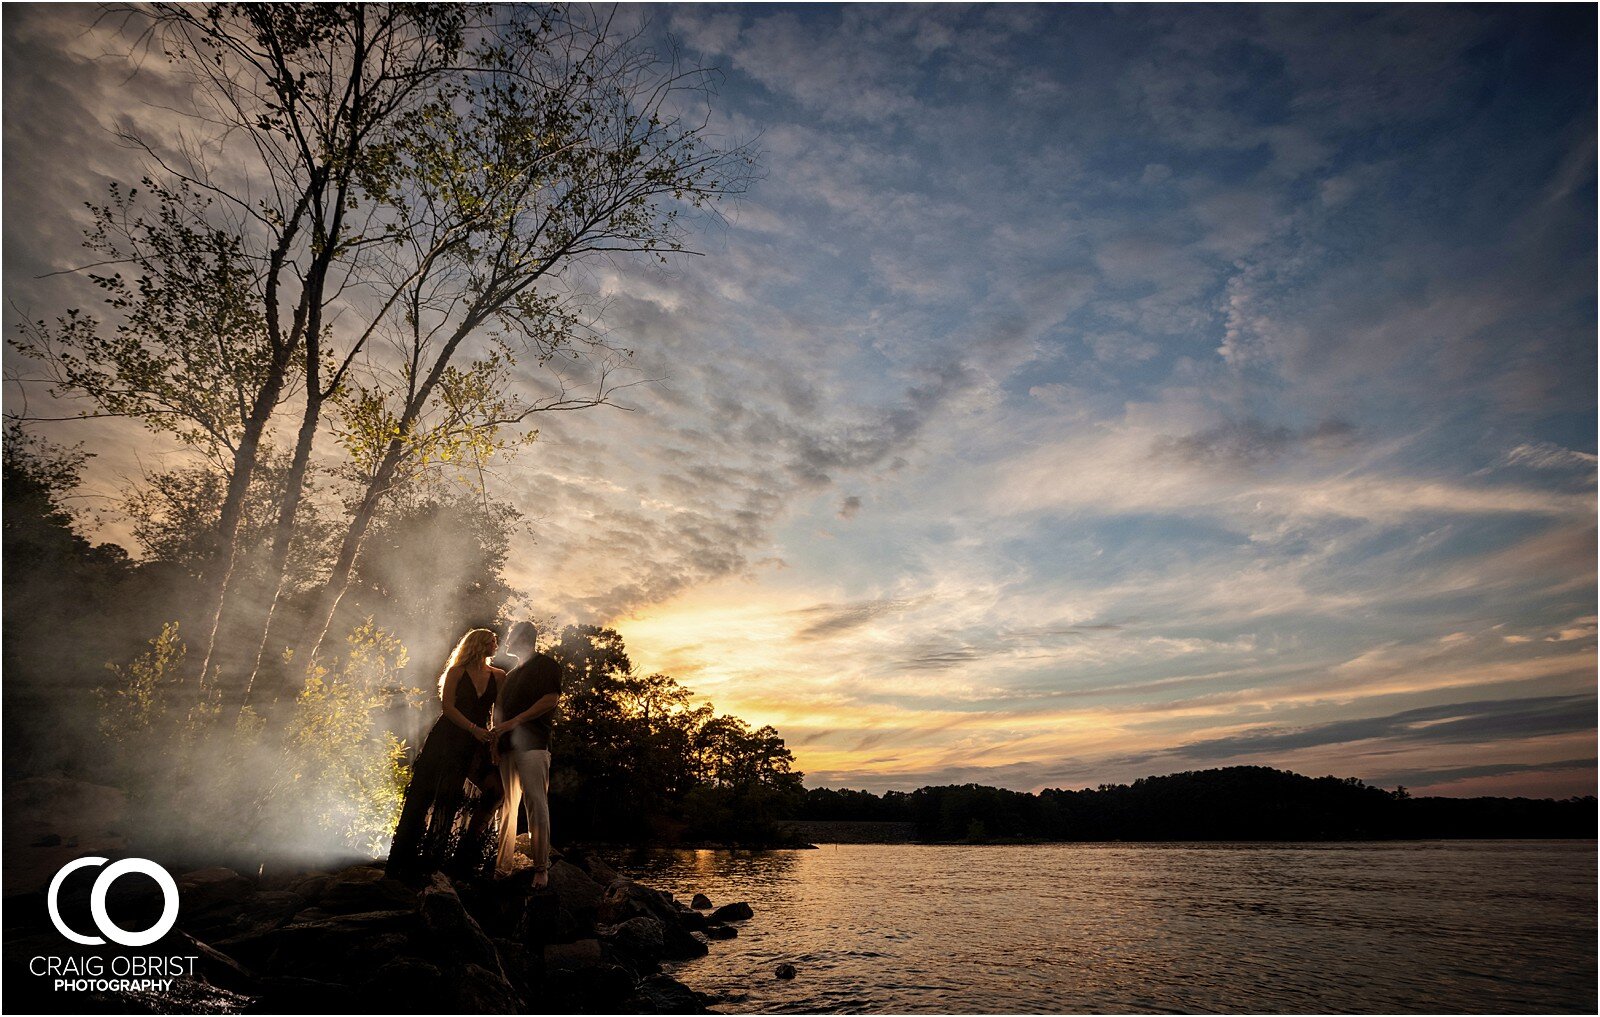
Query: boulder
x=625 y=899
x=597 y=988
x=638 y=941
x=311 y=887
x=205 y=888
x=693 y=921
x=402 y=985
x=418 y=985
x=732 y=913
x=541 y=922
x=523 y=966
x=355 y=891
x=721 y=932
x=578 y=899
x=591 y=863
x=574 y=887
x=266 y=909
x=216 y=968
x=566 y=956
x=451 y=931
x=339 y=948
x=479 y=990
x=600 y=872
x=680 y=944
x=665 y=994
x=700 y=902
x=784 y=971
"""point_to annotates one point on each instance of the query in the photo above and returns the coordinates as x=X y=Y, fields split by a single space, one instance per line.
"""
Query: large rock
x=204 y=888
x=403 y=985
x=479 y=990
x=582 y=953
x=311 y=886
x=364 y=889
x=574 y=886
x=599 y=871
x=454 y=932
x=256 y=912
x=626 y=899
x=542 y=922
x=498 y=905
x=732 y=913
x=344 y=949
x=700 y=902
x=578 y=899
x=523 y=966
x=680 y=944
x=419 y=985
x=665 y=994
x=638 y=942
x=598 y=988
x=214 y=967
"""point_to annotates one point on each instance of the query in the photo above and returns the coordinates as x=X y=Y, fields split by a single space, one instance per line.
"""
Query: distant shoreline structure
x=1238 y=803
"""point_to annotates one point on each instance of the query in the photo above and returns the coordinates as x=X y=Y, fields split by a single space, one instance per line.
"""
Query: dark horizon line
x=1213 y=769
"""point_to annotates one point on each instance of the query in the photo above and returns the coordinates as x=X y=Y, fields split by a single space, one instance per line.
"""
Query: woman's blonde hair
x=476 y=645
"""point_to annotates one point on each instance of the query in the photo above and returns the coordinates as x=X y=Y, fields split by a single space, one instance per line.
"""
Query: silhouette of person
x=455 y=789
x=524 y=721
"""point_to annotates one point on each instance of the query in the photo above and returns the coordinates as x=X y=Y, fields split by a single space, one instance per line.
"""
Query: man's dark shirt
x=526 y=684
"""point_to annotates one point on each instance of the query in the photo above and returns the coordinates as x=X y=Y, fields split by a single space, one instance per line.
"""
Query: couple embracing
x=486 y=761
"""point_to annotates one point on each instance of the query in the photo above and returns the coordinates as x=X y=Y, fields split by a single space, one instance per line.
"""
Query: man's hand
x=482 y=734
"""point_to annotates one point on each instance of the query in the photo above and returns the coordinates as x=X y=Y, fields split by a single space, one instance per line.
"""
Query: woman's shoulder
x=496 y=672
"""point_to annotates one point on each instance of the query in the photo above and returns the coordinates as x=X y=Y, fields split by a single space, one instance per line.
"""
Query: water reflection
x=1466 y=926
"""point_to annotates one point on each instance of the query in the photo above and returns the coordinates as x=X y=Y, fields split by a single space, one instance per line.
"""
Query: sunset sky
x=1079 y=393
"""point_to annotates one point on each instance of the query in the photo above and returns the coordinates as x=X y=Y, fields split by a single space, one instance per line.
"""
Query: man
x=523 y=719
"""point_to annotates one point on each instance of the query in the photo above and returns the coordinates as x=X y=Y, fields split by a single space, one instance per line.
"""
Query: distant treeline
x=1233 y=803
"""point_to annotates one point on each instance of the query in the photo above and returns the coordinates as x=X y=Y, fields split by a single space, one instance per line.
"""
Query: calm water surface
x=1462 y=926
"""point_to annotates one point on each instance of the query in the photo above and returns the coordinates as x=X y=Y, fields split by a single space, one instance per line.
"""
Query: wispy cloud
x=1079 y=390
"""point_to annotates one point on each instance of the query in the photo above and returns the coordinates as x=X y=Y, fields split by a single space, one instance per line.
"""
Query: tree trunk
x=282 y=537
x=320 y=620
x=323 y=609
x=244 y=465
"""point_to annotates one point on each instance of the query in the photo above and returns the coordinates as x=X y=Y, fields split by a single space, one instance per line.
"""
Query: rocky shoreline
x=354 y=940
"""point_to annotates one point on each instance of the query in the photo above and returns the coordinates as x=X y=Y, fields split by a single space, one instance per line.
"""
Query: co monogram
x=97 y=901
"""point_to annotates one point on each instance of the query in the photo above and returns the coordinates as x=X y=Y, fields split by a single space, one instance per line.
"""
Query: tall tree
x=564 y=139
x=394 y=188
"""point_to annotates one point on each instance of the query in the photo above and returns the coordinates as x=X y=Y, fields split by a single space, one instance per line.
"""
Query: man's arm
x=544 y=704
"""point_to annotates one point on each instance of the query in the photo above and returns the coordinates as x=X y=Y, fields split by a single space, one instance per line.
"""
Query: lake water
x=1436 y=926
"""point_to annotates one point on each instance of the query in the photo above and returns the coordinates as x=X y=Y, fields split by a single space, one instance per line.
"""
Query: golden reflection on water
x=1464 y=927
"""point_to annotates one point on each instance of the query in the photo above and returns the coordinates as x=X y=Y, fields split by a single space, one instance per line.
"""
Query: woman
x=455 y=789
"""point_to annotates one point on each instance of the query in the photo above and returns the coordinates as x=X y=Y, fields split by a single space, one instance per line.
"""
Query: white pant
x=527 y=773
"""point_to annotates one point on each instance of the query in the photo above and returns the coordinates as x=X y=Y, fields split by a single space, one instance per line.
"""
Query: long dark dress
x=448 y=820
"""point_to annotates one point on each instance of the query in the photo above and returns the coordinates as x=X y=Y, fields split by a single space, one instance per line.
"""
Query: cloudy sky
x=1080 y=393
